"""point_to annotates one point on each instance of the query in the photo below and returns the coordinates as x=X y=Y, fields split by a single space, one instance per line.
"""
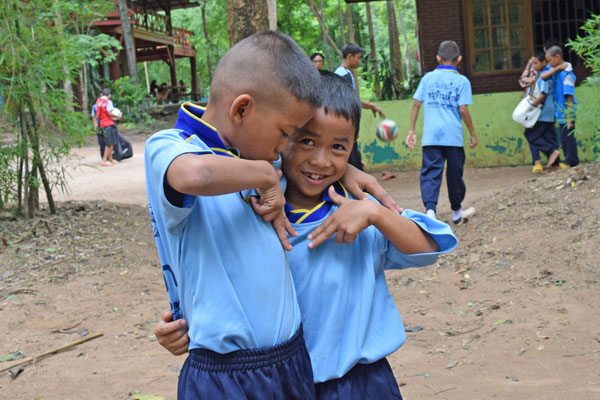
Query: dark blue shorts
x=363 y=382
x=280 y=372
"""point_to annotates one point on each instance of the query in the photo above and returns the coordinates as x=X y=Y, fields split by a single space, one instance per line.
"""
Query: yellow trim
x=343 y=187
x=308 y=212
x=195 y=117
x=224 y=151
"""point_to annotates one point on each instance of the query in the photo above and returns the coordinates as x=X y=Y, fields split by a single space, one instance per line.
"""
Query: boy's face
x=316 y=156
x=265 y=130
x=538 y=64
x=355 y=60
x=554 y=61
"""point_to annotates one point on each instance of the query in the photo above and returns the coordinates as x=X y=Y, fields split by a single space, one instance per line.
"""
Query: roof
x=164 y=5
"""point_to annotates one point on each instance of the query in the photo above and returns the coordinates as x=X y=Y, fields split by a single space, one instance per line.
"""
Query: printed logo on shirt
x=443 y=96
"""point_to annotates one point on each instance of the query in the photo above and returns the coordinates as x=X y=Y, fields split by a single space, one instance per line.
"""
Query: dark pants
x=432 y=167
x=363 y=382
x=355 y=157
x=281 y=372
x=541 y=138
x=569 y=144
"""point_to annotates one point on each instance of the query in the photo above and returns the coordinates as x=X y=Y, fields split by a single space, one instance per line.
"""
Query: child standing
x=350 y=319
x=565 y=103
x=446 y=95
x=541 y=136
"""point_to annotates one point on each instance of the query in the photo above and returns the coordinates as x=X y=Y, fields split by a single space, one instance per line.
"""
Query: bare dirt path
x=509 y=314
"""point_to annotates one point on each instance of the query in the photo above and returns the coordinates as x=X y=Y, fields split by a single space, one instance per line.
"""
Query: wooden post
x=195 y=96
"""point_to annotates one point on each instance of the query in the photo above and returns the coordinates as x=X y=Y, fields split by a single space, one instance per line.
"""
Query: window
x=560 y=20
x=498 y=33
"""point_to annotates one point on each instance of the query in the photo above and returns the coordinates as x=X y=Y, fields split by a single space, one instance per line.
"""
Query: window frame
x=470 y=38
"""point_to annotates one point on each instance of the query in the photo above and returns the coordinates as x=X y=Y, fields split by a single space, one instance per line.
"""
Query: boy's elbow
x=464 y=110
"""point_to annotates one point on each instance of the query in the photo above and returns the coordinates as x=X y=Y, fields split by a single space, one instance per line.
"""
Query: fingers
x=382 y=196
x=337 y=199
x=281 y=230
x=165 y=328
x=321 y=233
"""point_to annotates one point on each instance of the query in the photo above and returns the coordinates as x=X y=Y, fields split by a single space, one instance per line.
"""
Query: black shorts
x=110 y=135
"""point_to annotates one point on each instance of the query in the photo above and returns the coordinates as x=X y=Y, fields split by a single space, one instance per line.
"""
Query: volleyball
x=116 y=112
x=387 y=130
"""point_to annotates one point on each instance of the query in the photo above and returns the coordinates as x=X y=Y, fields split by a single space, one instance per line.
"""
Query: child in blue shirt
x=446 y=95
x=541 y=136
x=339 y=255
x=565 y=103
x=224 y=266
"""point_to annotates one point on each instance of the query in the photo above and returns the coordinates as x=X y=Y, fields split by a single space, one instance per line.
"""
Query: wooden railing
x=151 y=21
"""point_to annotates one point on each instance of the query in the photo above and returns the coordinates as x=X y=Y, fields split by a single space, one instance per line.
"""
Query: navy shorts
x=363 y=382
x=279 y=372
x=109 y=134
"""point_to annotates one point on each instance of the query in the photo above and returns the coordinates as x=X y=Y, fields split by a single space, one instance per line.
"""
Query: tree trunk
x=322 y=13
x=128 y=41
x=349 y=23
x=246 y=17
x=405 y=44
x=341 y=18
x=373 y=58
x=207 y=41
x=395 y=54
x=272 y=14
x=67 y=85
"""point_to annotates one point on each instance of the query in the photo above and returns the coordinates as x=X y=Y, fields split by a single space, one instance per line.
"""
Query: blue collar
x=190 y=123
x=317 y=212
x=447 y=67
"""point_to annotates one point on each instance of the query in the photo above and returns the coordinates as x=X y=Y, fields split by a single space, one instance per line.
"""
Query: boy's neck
x=299 y=201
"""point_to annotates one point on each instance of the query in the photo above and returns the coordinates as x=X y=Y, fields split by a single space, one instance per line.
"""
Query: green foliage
x=129 y=97
x=41 y=47
x=588 y=48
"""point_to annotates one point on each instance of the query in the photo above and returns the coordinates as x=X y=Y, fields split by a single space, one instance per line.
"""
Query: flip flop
x=105 y=164
x=387 y=175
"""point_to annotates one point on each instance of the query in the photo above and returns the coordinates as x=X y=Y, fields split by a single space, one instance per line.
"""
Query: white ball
x=116 y=112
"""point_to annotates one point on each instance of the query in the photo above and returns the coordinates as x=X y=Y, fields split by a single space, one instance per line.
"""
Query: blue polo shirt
x=564 y=84
x=348 y=313
x=442 y=91
x=547 y=114
x=224 y=267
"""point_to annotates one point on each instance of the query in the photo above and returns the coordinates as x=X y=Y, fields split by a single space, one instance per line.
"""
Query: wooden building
x=497 y=37
x=154 y=36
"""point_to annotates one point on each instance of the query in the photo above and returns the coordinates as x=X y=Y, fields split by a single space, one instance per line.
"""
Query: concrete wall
x=501 y=140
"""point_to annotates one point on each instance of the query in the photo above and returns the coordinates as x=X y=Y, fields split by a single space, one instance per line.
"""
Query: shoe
x=431 y=214
x=538 y=169
x=466 y=214
x=562 y=165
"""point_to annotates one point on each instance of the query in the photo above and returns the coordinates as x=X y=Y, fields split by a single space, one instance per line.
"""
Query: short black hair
x=540 y=55
x=351 y=48
x=340 y=99
x=316 y=53
x=551 y=42
x=554 y=51
x=449 y=50
x=106 y=92
x=267 y=61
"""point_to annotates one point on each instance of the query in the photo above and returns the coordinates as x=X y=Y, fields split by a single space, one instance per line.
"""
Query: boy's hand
x=561 y=67
x=270 y=205
x=411 y=140
x=473 y=140
x=282 y=227
x=347 y=222
x=357 y=182
x=172 y=335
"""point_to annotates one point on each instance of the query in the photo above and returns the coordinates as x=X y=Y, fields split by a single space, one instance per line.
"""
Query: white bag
x=526 y=114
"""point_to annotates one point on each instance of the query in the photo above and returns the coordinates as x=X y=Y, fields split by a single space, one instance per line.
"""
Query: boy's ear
x=458 y=60
x=240 y=107
x=439 y=59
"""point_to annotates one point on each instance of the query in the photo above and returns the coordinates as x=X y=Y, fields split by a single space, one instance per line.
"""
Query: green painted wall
x=501 y=140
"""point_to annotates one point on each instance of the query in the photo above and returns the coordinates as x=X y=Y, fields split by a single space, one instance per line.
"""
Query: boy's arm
x=548 y=74
x=354 y=216
x=569 y=110
x=373 y=107
x=411 y=139
x=466 y=116
x=541 y=98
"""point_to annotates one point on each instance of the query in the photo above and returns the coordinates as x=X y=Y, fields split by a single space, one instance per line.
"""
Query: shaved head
x=266 y=66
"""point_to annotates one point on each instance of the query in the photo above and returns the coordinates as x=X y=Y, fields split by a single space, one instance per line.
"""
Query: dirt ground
x=509 y=314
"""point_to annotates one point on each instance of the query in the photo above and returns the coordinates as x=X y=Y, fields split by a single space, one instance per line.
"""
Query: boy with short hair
x=541 y=136
x=446 y=95
x=104 y=108
x=565 y=103
x=225 y=270
x=350 y=319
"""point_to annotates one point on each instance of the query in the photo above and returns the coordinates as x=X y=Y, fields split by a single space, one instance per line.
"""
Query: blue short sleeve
x=569 y=85
x=465 y=96
x=420 y=92
x=543 y=86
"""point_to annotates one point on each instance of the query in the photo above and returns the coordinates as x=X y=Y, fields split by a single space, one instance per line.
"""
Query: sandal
x=387 y=175
x=538 y=169
x=105 y=163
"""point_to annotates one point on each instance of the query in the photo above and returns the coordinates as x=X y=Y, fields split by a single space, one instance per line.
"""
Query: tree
x=373 y=55
x=128 y=40
x=246 y=17
x=395 y=53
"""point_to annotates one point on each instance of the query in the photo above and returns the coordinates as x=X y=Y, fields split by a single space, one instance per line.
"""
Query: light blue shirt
x=547 y=114
x=442 y=91
x=224 y=267
x=564 y=84
x=348 y=313
x=346 y=74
